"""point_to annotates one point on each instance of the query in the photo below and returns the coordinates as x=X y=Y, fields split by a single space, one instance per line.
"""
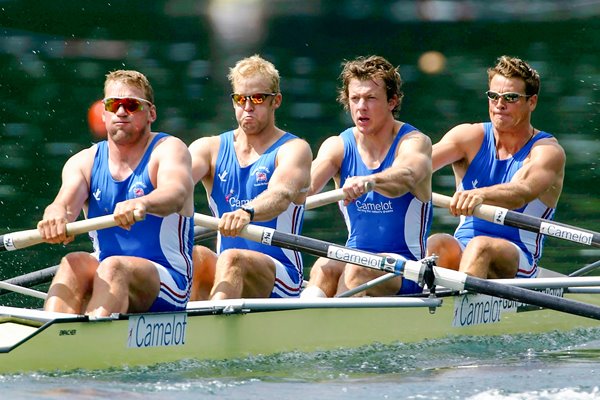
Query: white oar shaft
x=22 y=239
x=22 y=290
x=324 y=198
x=482 y=211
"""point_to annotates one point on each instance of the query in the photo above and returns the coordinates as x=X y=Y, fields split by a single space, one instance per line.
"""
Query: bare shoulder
x=333 y=145
x=296 y=145
x=205 y=145
x=83 y=158
x=465 y=132
x=417 y=137
x=170 y=148
x=549 y=148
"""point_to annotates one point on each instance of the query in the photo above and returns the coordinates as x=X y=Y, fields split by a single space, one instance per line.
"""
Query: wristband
x=249 y=210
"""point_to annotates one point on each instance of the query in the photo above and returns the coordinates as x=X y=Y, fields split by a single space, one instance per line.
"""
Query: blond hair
x=131 y=78
x=255 y=65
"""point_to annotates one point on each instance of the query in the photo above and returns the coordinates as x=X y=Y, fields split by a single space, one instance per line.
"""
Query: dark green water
x=53 y=57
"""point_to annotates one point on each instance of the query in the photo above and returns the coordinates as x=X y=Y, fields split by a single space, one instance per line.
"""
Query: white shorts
x=288 y=282
x=526 y=269
x=174 y=292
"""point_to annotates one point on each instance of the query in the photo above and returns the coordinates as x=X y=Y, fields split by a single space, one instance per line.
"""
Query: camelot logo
x=574 y=235
x=376 y=208
x=157 y=330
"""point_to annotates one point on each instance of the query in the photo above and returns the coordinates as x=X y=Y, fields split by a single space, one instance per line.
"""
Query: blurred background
x=54 y=56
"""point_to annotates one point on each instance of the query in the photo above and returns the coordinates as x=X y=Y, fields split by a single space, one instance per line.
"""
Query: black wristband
x=249 y=210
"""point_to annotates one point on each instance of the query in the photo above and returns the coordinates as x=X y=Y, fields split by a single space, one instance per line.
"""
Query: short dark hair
x=513 y=67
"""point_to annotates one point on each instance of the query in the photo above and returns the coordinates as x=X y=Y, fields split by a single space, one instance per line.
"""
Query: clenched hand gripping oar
x=503 y=216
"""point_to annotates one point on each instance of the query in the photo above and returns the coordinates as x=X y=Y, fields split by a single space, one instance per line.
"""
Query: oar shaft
x=460 y=281
x=332 y=196
x=413 y=270
x=503 y=216
x=45 y=275
x=312 y=246
x=22 y=290
x=30 y=237
x=532 y=297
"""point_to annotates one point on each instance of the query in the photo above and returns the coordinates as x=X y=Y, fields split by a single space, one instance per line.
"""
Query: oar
x=22 y=239
x=413 y=270
x=503 y=216
x=324 y=198
x=200 y=233
x=45 y=275
x=315 y=201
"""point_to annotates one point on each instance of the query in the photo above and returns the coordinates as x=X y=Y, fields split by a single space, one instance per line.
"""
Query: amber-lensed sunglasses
x=256 y=98
x=130 y=104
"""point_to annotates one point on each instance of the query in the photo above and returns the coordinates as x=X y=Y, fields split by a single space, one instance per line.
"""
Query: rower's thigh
x=138 y=275
x=447 y=249
x=502 y=255
x=256 y=270
x=77 y=267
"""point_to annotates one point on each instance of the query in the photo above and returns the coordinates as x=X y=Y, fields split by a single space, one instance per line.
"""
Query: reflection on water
x=52 y=71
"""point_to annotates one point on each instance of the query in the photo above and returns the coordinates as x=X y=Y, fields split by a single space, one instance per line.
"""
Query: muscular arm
x=288 y=183
x=410 y=172
x=540 y=177
x=457 y=147
x=70 y=199
x=174 y=185
x=202 y=151
x=327 y=164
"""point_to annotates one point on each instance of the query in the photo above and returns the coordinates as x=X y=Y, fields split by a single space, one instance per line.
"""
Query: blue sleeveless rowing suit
x=234 y=186
x=380 y=224
x=165 y=241
x=487 y=170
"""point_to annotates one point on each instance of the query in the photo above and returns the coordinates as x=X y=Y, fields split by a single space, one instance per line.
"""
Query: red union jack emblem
x=261 y=177
x=138 y=192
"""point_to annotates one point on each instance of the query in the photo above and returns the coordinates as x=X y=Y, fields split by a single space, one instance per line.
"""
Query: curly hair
x=371 y=68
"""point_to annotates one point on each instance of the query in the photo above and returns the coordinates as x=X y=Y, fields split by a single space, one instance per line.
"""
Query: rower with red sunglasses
x=507 y=163
x=133 y=174
x=255 y=173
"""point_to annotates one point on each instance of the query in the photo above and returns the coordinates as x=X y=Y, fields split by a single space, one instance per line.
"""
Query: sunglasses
x=130 y=104
x=508 y=97
x=256 y=98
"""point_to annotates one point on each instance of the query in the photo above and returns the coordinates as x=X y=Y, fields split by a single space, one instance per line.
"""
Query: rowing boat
x=454 y=305
x=34 y=340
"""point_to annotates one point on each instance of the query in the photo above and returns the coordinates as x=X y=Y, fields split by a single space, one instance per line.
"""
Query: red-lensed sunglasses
x=130 y=104
x=256 y=98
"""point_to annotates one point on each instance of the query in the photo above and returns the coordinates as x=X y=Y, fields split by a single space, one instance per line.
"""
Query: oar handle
x=22 y=239
x=483 y=211
x=321 y=199
x=251 y=232
x=503 y=216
